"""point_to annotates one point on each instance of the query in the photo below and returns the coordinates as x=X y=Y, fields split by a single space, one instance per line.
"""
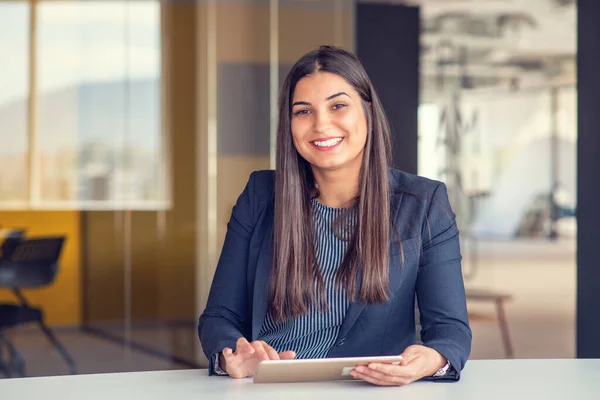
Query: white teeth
x=328 y=143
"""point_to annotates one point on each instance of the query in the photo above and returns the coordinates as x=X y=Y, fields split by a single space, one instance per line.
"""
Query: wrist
x=222 y=362
x=442 y=362
x=441 y=365
x=443 y=370
x=218 y=362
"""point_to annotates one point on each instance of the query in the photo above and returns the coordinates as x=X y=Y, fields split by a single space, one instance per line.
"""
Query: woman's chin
x=328 y=166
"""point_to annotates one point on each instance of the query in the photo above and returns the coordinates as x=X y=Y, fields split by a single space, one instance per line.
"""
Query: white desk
x=481 y=380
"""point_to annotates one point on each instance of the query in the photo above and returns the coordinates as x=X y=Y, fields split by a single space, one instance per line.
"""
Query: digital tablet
x=311 y=370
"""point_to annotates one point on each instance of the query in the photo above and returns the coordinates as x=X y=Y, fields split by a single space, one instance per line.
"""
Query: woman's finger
x=374 y=377
x=271 y=352
x=408 y=357
x=227 y=352
x=228 y=355
x=232 y=363
x=408 y=371
x=260 y=351
x=243 y=346
x=287 y=355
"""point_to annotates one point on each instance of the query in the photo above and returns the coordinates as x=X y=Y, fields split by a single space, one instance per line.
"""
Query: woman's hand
x=417 y=362
x=243 y=362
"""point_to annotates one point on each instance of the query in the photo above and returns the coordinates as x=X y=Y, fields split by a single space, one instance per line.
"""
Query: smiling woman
x=324 y=256
x=331 y=99
x=328 y=117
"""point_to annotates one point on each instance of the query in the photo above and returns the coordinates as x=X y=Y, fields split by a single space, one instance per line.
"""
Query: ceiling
x=483 y=43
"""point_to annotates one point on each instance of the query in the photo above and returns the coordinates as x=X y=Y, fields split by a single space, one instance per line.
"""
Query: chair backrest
x=10 y=239
x=29 y=263
x=12 y=233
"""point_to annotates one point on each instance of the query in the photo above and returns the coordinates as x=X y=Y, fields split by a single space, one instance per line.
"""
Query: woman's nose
x=322 y=122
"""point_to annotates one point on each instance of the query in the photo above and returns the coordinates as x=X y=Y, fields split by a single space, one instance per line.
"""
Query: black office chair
x=27 y=264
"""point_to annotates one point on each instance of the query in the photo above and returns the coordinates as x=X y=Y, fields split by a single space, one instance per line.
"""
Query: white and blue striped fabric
x=313 y=335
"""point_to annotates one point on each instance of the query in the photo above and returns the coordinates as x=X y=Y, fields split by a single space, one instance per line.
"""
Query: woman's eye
x=301 y=112
x=338 y=106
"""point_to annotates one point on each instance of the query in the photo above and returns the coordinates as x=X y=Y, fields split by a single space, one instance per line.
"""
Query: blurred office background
x=129 y=128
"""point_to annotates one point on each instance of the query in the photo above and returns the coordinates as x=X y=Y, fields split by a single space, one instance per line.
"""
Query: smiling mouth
x=327 y=143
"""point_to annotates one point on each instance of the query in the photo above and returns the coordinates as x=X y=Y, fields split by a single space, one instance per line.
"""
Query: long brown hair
x=296 y=282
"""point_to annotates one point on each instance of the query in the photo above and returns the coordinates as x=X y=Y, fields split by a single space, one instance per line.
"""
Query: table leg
x=503 y=321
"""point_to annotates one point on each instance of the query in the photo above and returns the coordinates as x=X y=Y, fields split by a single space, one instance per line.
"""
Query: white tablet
x=311 y=370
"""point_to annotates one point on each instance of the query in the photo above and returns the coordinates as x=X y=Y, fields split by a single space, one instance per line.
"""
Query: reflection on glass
x=14 y=42
x=500 y=143
x=100 y=137
x=498 y=126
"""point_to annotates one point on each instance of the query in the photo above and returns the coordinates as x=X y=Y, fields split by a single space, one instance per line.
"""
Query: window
x=14 y=87
x=98 y=141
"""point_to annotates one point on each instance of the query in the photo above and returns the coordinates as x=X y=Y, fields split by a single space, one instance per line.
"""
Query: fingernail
x=372 y=366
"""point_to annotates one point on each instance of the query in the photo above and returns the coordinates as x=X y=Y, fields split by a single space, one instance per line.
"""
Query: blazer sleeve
x=440 y=287
x=226 y=316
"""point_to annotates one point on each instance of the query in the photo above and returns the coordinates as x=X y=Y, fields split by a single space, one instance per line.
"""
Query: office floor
x=540 y=277
x=91 y=353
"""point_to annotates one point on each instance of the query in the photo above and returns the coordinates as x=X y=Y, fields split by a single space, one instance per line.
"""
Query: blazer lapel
x=354 y=310
x=394 y=273
x=263 y=266
x=356 y=307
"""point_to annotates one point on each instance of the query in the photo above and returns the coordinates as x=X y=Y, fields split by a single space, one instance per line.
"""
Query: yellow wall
x=61 y=301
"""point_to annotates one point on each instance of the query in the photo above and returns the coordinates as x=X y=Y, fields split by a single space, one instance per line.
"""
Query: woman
x=324 y=256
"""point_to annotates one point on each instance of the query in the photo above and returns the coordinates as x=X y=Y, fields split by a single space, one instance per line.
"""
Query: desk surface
x=488 y=380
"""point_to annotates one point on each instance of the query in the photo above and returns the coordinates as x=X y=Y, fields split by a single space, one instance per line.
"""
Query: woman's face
x=329 y=125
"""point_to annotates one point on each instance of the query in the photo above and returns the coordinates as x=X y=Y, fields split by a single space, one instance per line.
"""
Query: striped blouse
x=313 y=335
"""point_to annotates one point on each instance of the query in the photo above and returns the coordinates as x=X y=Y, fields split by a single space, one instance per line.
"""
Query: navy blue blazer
x=237 y=303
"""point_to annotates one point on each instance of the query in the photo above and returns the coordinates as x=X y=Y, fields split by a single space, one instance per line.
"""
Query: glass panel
x=14 y=71
x=138 y=265
x=498 y=126
x=100 y=136
x=150 y=259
